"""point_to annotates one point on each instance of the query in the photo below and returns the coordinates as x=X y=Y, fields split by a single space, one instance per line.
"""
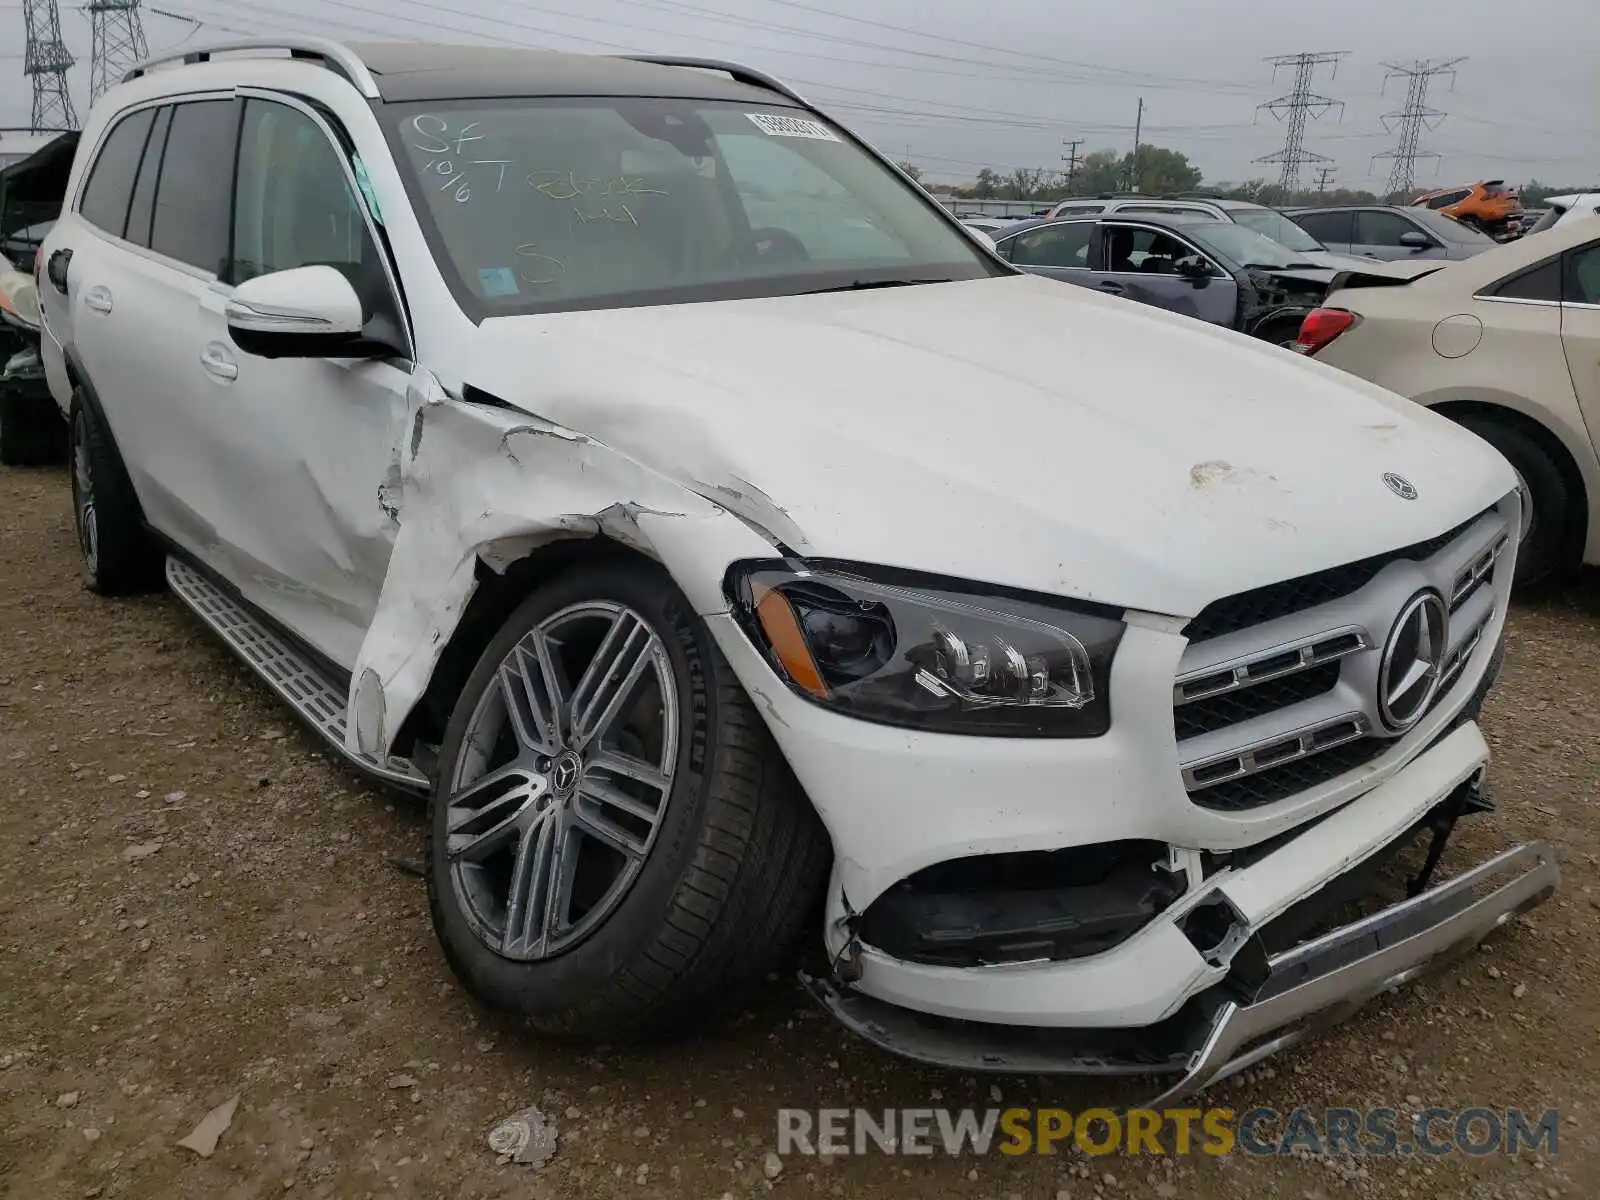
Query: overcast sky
x=957 y=86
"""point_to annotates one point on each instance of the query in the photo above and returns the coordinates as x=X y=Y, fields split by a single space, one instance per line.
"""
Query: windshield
x=1448 y=228
x=545 y=205
x=1270 y=223
x=1244 y=247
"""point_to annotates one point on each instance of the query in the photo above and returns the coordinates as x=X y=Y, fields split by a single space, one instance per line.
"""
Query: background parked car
x=989 y=225
x=1213 y=270
x=31 y=191
x=1489 y=206
x=1507 y=344
x=1268 y=222
x=32 y=432
x=1391 y=232
x=1571 y=207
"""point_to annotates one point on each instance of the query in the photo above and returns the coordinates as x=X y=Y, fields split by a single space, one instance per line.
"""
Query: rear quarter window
x=1541 y=282
x=109 y=189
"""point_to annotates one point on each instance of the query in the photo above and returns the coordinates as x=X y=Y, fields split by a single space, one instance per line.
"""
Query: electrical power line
x=1294 y=109
x=1412 y=120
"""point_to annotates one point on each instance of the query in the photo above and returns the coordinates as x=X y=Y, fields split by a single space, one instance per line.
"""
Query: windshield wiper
x=863 y=285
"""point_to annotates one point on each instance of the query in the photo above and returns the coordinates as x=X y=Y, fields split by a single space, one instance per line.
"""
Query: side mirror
x=1195 y=269
x=1416 y=239
x=306 y=312
x=980 y=237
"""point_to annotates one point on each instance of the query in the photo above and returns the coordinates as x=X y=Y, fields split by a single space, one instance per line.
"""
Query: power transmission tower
x=1294 y=109
x=46 y=61
x=116 y=41
x=1071 y=159
x=1412 y=120
x=1324 y=178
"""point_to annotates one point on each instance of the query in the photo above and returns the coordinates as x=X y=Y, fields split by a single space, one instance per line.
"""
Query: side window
x=110 y=186
x=1537 y=283
x=1583 y=275
x=294 y=206
x=1145 y=251
x=1381 y=228
x=1054 y=246
x=1328 y=227
x=1448 y=198
x=1079 y=210
x=190 y=222
x=144 y=190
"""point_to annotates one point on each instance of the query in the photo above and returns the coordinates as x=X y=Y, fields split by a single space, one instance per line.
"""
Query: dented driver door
x=294 y=458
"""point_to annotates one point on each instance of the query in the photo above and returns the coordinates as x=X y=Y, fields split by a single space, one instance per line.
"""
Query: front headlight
x=929 y=653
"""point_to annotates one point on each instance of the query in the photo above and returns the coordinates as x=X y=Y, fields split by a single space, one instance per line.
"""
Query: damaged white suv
x=627 y=456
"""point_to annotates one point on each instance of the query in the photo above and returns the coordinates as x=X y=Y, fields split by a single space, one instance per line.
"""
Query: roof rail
x=337 y=58
x=745 y=75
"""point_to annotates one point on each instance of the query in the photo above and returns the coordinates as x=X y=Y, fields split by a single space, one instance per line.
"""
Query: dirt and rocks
x=198 y=908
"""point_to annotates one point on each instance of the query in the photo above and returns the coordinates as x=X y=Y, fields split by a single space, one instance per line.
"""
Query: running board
x=316 y=698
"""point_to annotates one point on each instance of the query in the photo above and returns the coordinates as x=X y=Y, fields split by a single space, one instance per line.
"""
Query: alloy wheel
x=563 y=780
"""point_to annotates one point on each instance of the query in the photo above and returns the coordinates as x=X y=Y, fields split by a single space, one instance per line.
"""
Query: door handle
x=219 y=363
x=1116 y=289
x=98 y=298
x=56 y=269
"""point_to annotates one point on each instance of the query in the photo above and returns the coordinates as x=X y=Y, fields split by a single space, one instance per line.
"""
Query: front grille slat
x=1274 y=600
x=1281 y=782
x=1234 y=708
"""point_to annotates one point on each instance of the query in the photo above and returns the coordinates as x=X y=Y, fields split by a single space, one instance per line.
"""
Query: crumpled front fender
x=477 y=482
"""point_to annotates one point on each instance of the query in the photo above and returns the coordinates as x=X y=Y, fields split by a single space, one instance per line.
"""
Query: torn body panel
x=867 y=428
x=475 y=482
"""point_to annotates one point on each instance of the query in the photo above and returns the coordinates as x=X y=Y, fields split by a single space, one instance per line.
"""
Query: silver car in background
x=1391 y=233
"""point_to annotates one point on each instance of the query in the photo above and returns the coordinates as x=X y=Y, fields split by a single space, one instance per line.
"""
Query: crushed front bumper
x=1236 y=1023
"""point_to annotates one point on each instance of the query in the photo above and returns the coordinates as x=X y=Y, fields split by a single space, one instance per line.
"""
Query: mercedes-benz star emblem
x=1409 y=673
x=1399 y=485
x=564 y=774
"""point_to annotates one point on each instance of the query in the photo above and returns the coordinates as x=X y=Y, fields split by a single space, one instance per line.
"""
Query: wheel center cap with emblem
x=1409 y=674
x=565 y=773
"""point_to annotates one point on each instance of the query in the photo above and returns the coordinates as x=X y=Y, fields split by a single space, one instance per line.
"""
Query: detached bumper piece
x=1229 y=1028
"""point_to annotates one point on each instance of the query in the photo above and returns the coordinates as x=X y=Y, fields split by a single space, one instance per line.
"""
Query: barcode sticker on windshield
x=776 y=126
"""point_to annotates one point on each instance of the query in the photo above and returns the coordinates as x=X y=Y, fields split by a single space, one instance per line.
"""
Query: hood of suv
x=1017 y=431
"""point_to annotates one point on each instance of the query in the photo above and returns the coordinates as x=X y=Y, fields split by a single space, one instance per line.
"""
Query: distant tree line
x=1158 y=171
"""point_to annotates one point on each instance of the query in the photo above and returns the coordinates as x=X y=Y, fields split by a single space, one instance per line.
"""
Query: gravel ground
x=196 y=905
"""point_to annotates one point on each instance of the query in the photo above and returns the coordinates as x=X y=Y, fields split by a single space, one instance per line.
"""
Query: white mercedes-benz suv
x=629 y=458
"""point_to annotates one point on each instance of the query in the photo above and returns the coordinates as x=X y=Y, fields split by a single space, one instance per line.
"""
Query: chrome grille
x=1263 y=604
x=1287 y=703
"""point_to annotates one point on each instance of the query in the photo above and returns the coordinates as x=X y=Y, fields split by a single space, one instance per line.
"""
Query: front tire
x=119 y=558
x=1549 y=529
x=617 y=849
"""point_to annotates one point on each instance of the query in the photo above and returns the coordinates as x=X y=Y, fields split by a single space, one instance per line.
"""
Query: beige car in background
x=1506 y=343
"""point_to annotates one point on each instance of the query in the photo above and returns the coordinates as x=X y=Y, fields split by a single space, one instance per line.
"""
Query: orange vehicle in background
x=1490 y=206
